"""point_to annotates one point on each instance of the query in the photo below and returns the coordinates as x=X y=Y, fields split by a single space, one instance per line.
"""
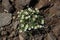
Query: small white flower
x=35 y=27
x=38 y=26
x=22 y=25
x=41 y=26
x=30 y=9
x=34 y=19
x=36 y=16
x=29 y=28
x=37 y=9
x=32 y=27
x=33 y=11
x=14 y=17
x=25 y=29
x=20 y=31
x=22 y=17
x=42 y=21
x=21 y=10
x=21 y=20
x=26 y=13
x=28 y=16
x=26 y=26
x=18 y=12
x=18 y=15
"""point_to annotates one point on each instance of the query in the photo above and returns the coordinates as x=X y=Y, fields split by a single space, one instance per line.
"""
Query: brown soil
x=50 y=9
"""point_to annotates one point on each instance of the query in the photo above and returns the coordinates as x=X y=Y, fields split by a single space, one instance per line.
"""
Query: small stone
x=5 y=19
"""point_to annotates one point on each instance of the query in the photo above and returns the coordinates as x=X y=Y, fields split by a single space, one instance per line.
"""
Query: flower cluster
x=30 y=19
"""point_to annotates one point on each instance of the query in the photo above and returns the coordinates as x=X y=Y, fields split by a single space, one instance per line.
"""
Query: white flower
x=38 y=26
x=26 y=17
x=22 y=25
x=21 y=10
x=20 y=31
x=30 y=9
x=26 y=26
x=35 y=27
x=29 y=28
x=25 y=29
x=34 y=19
x=41 y=26
x=36 y=16
x=33 y=11
x=18 y=15
x=26 y=13
x=42 y=21
x=37 y=9
x=32 y=27
x=21 y=20
x=22 y=17
x=18 y=12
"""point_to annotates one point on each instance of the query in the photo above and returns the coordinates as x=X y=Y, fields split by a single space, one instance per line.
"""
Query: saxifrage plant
x=30 y=19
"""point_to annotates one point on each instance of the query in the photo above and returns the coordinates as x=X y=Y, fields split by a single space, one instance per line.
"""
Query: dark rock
x=5 y=19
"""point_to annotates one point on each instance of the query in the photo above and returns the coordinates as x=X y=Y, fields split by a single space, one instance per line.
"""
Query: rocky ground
x=50 y=9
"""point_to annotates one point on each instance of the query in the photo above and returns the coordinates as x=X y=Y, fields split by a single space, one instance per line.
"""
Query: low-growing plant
x=30 y=19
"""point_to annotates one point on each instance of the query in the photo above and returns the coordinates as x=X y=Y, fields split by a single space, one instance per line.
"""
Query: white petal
x=41 y=26
x=22 y=25
x=30 y=9
x=21 y=20
x=22 y=17
x=35 y=27
x=26 y=13
x=42 y=21
x=21 y=10
x=20 y=31
x=26 y=17
x=18 y=15
x=37 y=9
x=36 y=16
x=18 y=12
x=33 y=19
x=32 y=27
x=29 y=29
